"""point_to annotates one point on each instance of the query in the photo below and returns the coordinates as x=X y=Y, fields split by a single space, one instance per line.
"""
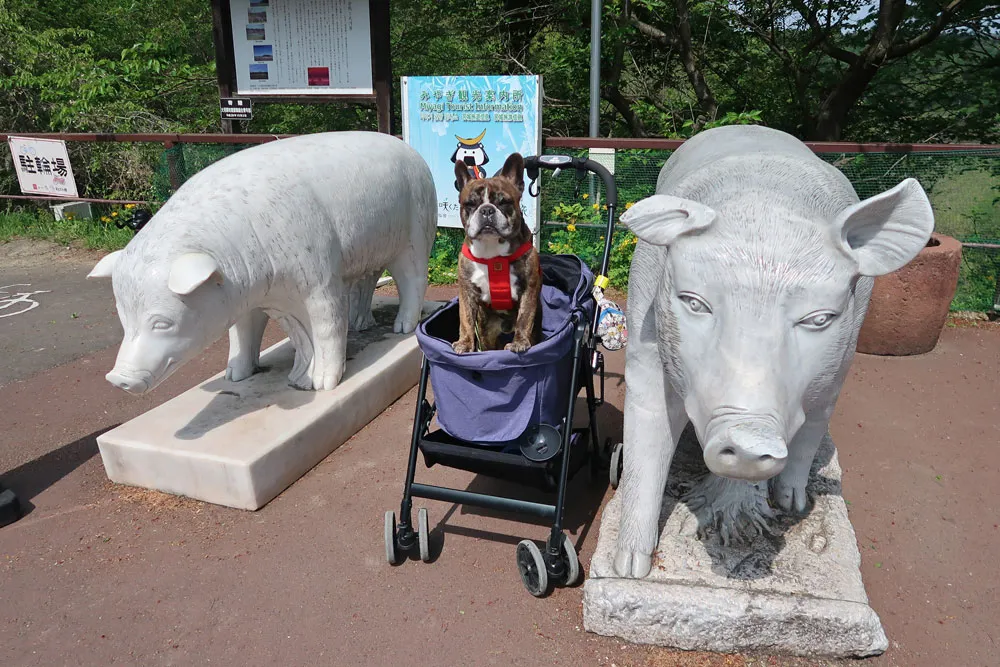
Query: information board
x=302 y=47
x=480 y=120
x=43 y=166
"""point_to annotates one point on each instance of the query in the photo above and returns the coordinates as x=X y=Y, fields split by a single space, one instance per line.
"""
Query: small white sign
x=42 y=166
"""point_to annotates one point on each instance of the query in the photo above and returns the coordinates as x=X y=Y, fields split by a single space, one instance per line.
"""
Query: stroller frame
x=559 y=563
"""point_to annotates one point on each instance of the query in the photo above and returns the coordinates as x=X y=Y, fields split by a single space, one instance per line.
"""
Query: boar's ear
x=883 y=233
x=660 y=219
x=106 y=266
x=192 y=270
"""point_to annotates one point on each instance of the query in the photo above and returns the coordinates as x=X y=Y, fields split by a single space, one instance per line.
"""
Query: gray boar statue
x=297 y=230
x=750 y=280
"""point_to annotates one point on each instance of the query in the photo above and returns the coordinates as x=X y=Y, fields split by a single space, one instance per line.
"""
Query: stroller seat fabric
x=492 y=397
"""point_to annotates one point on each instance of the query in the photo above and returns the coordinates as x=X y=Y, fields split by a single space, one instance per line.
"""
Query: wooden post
x=225 y=71
x=378 y=15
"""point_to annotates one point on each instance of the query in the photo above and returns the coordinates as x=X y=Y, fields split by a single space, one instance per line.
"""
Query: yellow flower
x=105 y=218
x=571 y=227
x=586 y=195
x=130 y=206
x=114 y=214
x=69 y=216
x=597 y=206
x=629 y=205
x=605 y=207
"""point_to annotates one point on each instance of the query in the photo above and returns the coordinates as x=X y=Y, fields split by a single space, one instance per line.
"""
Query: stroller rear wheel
x=531 y=565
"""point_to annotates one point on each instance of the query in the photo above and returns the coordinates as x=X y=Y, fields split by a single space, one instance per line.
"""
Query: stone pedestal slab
x=798 y=591
x=240 y=444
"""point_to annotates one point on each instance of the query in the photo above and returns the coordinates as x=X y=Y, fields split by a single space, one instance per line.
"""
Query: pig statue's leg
x=244 y=345
x=410 y=276
x=362 y=290
x=653 y=421
x=788 y=489
x=328 y=311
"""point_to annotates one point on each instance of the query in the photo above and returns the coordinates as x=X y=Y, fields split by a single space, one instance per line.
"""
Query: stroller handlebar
x=533 y=163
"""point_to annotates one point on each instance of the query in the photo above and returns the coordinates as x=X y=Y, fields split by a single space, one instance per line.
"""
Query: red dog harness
x=498 y=269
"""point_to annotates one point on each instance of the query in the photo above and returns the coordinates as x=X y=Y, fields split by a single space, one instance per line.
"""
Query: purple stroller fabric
x=492 y=397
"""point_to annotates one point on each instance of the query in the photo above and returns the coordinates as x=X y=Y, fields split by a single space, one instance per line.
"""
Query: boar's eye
x=818 y=321
x=695 y=303
x=161 y=324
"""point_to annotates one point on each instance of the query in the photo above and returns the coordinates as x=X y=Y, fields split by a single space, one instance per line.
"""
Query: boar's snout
x=746 y=449
x=134 y=382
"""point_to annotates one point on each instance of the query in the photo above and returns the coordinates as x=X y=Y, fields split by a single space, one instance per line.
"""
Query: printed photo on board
x=319 y=76
x=258 y=72
x=263 y=53
x=256 y=15
x=255 y=33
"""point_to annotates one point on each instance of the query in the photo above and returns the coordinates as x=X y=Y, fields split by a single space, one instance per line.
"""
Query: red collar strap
x=499 y=273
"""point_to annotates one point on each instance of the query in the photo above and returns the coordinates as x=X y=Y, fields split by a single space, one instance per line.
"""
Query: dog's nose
x=487 y=212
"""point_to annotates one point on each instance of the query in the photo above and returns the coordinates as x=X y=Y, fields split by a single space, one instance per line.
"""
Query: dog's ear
x=462 y=175
x=513 y=171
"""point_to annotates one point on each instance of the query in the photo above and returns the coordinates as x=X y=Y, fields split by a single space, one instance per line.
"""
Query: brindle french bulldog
x=499 y=275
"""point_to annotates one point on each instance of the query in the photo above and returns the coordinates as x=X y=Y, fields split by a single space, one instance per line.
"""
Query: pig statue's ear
x=190 y=271
x=883 y=233
x=106 y=266
x=660 y=219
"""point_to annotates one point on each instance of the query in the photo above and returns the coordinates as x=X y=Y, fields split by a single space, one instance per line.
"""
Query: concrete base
x=796 y=592
x=240 y=444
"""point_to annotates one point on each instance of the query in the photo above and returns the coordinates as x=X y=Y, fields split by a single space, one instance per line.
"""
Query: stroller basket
x=491 y=398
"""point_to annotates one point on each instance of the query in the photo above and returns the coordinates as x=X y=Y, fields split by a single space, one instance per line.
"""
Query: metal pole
x=595 y=66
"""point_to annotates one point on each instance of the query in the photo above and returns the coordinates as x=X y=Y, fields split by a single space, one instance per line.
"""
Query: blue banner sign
x=478 y=120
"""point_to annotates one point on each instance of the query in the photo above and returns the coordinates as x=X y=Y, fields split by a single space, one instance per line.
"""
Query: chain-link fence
x=963 y=186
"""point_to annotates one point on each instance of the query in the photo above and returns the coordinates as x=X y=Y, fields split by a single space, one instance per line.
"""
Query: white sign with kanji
x=42 y=166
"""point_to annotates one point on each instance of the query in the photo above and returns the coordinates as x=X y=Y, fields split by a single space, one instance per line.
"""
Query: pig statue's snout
x=749 y=450
x=134 y=382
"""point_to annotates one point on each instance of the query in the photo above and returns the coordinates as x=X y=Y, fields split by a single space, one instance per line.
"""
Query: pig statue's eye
x=695 y=303
x=818 y=321
x=162 y=324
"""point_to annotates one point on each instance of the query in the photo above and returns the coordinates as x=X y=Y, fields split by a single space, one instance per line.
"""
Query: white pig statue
x=297 y=230
x=750 y=280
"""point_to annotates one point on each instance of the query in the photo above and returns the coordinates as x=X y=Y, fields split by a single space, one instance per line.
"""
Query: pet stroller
x=510 y=416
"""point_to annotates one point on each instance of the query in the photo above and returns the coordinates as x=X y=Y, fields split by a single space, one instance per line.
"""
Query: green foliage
x=41 y=225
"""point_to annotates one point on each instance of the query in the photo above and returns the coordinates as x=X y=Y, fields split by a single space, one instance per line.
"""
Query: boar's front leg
x=244 y=345
x=788 y=489
x=653 y=420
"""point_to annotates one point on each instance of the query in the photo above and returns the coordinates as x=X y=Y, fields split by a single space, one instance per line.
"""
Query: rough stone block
x=798 y=591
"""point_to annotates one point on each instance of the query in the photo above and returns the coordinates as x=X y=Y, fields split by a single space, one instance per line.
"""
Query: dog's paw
x=461 y=346
x=517 y=346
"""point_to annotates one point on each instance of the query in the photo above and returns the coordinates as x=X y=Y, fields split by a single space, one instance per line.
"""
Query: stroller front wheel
x=390 y=537
x=531 y=565
x=570 y=560
x=423 y=535
x=617 y=465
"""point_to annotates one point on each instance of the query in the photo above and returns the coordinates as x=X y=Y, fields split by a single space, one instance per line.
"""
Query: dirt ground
x=100 y=574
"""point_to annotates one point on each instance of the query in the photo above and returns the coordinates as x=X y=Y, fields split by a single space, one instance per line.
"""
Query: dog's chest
x=480 y=277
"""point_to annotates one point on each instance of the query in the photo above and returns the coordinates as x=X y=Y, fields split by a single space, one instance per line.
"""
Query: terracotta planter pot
x=909 y=307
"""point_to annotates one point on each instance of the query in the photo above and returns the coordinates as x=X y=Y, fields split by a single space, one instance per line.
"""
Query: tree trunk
x=833 y=112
